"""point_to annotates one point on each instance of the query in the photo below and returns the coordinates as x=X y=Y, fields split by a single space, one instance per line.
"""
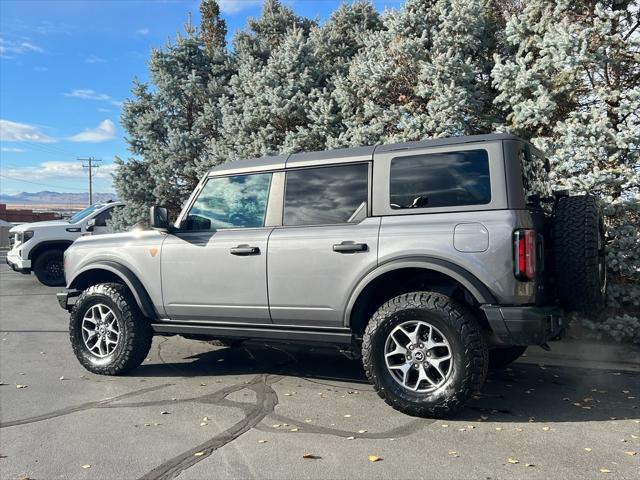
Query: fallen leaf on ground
x=347 y=416
x=311 y=456
x=351 y=438
x=453 y=453
x=605 y=470
x=499 y=429
x=62 y=378
x=362 y=431
x=512 y=461
x=294 y=429
x=529 y=464
x=86 y=466
x=518 y=429
x=204 y=424
x=198 y=454
x=546 y=429
x=444 y=426
x=587 y=449
x=262 y=441
x=277 y=425
x=164 y=412
x=21 y=386
x=373 y=458
x=632 y=454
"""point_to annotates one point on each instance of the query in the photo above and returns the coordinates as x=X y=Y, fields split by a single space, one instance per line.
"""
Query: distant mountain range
x=55 y=198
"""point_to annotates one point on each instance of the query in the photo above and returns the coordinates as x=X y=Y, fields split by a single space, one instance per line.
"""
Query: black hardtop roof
x=347 y=155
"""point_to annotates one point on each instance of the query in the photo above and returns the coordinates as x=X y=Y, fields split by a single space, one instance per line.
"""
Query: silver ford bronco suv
x=432 y=260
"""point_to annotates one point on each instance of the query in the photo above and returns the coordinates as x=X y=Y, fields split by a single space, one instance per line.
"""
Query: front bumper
x=524 y=325
x=66 y=299
x=17 y=263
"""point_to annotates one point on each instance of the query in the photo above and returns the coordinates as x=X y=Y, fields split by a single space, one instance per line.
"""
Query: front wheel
x=49 y=268
x=425 y=354
x=108 y=333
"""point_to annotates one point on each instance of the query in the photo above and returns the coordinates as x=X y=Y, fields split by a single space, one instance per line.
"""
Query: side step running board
x=341 y=336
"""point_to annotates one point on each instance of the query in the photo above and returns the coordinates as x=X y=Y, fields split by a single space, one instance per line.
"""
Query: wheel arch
x=395 y=277
x=109 y=271
x=48 y=245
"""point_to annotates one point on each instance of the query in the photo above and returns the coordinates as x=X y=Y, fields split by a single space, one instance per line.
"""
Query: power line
x=90 y=164
x=37 y=183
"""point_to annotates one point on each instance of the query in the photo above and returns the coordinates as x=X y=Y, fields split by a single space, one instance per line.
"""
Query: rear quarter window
x=440 y=180
x=535 y=177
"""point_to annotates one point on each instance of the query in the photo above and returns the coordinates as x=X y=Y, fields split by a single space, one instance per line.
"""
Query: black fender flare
x=128 y=277
x=64 y=244
x=478 y=290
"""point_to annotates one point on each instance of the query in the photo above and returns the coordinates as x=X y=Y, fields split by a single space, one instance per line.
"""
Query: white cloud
x=89 y=94
x=143 y=31
x=12 y=149
x=95 y=59
x=21 y=132
x=10 y=49
x=102 y=133
x=234 y=6
x=105 y=110
x=58 y=170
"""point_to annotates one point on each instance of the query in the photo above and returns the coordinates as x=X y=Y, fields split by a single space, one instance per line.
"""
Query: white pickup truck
x=39 y=246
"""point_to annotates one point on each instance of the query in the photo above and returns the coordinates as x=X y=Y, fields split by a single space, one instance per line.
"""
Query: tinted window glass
x=102 y=217
x=535 y=178
x=231 y=202
x=327 y=195
x=440 y=180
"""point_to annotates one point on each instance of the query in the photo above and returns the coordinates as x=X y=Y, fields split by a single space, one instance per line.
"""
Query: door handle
x=244 y=250
x=350 y=247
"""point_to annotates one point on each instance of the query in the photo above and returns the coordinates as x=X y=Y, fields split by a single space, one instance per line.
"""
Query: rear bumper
x=17 y=264
x=67 y=299
x=524 y=325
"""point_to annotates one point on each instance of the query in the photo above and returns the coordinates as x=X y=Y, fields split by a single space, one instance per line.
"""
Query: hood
x=116 y=239
x=37 y=225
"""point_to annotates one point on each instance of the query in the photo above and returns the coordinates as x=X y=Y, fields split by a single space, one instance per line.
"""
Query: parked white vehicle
x=39 y=246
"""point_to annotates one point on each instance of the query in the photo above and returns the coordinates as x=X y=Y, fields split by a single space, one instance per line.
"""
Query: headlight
x=27 y=235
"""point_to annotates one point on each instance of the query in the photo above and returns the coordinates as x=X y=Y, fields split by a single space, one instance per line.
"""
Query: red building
x=24 y=215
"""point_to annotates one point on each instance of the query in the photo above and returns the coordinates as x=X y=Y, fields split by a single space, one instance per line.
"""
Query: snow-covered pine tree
x=425 y=74
x=569 y=79
x=170 y=122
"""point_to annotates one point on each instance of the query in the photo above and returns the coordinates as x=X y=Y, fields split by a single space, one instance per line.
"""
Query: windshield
x=85 y=213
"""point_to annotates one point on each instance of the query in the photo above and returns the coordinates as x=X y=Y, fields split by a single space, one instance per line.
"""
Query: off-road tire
x=49 y=269
x=579 y=253
x=462 y=331
x=135 y=330
x=501 y=357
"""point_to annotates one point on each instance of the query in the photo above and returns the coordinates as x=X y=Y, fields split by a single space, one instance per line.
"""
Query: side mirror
x=90 y=225
x=159 y=218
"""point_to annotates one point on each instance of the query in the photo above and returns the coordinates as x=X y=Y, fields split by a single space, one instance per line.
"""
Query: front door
x=214 y=268
x=326 y=244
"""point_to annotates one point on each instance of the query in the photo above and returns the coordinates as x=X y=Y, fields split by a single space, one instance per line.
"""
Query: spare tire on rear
x=579 y=253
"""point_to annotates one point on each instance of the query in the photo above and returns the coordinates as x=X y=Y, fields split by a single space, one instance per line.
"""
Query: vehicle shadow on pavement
x=520 y=393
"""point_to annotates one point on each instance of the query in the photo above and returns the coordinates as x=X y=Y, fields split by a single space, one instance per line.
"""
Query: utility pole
x=90 y=163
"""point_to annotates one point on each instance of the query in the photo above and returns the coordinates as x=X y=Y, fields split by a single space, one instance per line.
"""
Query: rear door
x=328 y=241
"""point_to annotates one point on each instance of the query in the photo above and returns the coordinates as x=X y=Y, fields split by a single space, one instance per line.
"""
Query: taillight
x=524 y=253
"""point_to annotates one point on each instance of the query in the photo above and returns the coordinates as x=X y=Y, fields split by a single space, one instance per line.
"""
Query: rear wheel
x=108 y=333
x=49 y=268
x=501 y=357
x=424 y=354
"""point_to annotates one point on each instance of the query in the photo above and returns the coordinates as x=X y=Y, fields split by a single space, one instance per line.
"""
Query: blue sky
x=66 y=67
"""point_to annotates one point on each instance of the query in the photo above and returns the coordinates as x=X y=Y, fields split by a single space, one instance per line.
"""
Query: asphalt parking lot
x=195 y=411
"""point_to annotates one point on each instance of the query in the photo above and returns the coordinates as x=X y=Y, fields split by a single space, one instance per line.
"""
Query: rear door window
x=326 y=195
x=444 y=179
